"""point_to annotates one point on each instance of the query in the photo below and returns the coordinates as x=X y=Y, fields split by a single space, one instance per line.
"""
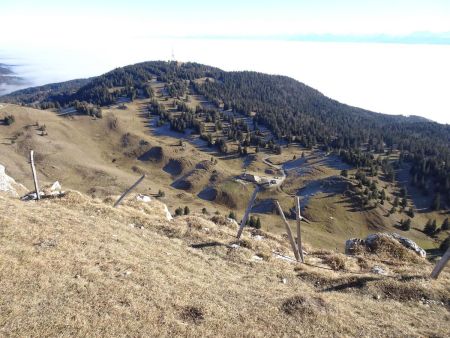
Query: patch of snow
x=232 y=221
x=256 y=258
x=284 y=258
x=167 y=212
x=143 y=198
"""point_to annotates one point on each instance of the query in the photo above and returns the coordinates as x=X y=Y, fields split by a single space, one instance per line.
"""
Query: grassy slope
x=79 y=152
x=76 y=267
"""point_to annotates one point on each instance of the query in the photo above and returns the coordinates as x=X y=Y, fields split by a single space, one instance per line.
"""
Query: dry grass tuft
x=385 y=247
x=303 y=305
x=192 y=314
x=335 y=261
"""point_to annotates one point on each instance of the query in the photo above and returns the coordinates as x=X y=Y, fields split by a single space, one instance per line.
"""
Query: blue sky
x=367 y=21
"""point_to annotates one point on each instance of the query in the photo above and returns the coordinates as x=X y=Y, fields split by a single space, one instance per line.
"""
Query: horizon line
x=419 y=38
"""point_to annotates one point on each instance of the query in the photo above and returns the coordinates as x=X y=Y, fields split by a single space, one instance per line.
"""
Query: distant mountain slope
x=292 y=110
x=43 y=94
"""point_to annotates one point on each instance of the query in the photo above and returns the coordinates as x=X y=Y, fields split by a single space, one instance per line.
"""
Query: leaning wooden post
x=440 y=264
x=247 y=212
x=299 y=232
x=289 y=232
x=129 y=190
x=35 y=179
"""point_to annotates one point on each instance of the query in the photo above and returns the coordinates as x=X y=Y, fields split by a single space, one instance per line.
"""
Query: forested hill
x=293 y=111
x=290 y=108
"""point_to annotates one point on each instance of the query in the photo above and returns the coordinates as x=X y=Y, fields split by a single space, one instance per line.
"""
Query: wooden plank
x=440 y=265
x=299 y=231
x=289 y=232
x=35 y=179
x=247 y=212
x=129 y=190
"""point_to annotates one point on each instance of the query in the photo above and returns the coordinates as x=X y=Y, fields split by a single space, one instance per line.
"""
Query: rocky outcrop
x=353 y=245
x=9 y=185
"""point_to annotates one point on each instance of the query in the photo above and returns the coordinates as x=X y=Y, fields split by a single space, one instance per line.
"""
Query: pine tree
x=396 y=201
x=252 y=222
x=406 y=225
x=430 y=227
x=410 y=212
x=436 y=205
x=445 y=244
x=186 y=210
x=258 y=223
x=445 y=224
x=404 y=202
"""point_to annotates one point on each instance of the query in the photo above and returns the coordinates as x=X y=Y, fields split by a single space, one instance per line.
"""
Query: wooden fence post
x=440 y=264
x=129 y=190
x=289 y=232
x=299 y=232
x=35 y=179
x=247 y=212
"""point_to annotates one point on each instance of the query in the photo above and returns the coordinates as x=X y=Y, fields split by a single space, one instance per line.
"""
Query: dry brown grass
x=77 y=267
x=335 y=261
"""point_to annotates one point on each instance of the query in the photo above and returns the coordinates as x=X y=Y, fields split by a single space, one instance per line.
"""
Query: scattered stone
x=234 y=246
x=379 y=270
x=46 y=243
x=257 y=258
x=52 y=189
x=406 y=242
x=352 y=245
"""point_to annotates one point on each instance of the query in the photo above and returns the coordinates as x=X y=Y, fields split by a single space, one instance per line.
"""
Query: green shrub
x=9 y=119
